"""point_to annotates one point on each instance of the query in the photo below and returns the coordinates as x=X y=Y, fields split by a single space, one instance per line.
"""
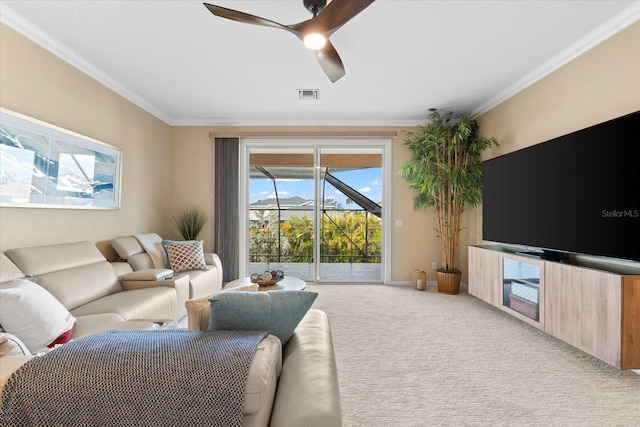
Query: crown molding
x=400 y=123
x=44 y=40
x=617 y=23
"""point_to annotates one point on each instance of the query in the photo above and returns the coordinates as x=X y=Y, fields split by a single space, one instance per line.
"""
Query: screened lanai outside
x=315 y=213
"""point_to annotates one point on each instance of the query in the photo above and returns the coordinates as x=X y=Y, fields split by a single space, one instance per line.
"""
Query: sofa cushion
x=77 y=286
x=140 y=261
x=129 y=249
x=92 y=323
x=126 y=246
x=185 y=255
x=159 y=302
x=277 y=312
x=202 y=282
x=31 y=313
x=38 y=260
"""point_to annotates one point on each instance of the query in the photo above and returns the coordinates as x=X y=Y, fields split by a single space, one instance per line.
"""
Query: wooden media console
x=594 y=310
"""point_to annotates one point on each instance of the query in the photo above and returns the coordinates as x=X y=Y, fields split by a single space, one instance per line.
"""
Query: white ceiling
x=188 y=67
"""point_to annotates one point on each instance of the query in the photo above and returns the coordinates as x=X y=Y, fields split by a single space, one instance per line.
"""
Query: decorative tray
x=268 y=282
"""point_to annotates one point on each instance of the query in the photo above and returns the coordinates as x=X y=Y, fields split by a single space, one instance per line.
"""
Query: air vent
x=308 y=93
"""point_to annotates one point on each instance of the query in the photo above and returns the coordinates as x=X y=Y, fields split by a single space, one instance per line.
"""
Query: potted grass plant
x=445 y=170
x=189 y=221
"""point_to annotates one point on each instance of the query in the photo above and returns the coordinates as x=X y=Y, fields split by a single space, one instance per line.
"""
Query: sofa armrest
x=11 y=345
x=212 y=260
x=198 y=309
x=309 y=377
x=9 y=365
x=198 y=313
x=179 y=282
x=147 y=274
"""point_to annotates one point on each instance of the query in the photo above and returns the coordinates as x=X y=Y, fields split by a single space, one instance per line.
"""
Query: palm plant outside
x=346 y=237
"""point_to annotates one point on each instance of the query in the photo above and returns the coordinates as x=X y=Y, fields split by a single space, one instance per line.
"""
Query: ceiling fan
x=314 y=32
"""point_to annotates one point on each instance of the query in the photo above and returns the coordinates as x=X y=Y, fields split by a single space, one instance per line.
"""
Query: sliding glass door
x=350 y=223
x=281 y=211
x=313 y=209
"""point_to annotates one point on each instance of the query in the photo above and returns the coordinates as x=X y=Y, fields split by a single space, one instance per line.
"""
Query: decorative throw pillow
x=64 y=338
x=30 y=312
x=185 y=255
x=277 y=312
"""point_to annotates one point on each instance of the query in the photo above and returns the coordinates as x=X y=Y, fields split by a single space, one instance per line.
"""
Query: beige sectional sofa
x=291 y=385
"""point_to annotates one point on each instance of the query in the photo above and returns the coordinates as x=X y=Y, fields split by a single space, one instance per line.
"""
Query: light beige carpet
x=411 y=358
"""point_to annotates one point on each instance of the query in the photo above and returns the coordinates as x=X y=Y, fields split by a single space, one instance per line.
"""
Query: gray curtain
x=226 y=242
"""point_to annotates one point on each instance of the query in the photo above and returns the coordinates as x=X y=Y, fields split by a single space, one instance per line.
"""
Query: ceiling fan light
x=314 y=41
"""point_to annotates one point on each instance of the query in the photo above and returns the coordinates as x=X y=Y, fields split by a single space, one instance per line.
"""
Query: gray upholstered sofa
x=152 y=255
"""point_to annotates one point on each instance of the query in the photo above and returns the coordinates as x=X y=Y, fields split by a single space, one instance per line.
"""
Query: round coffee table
x=286 y=284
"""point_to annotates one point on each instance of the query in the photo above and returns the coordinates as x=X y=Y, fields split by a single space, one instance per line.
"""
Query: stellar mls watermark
x=629 y=213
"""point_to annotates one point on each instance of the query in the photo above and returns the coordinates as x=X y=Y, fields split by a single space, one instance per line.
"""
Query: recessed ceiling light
x=308 y=93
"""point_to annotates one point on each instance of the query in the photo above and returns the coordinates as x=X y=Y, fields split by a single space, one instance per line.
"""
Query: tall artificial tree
x=445 y=170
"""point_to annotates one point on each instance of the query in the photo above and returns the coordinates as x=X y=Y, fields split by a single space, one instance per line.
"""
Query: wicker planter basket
x=449 y=283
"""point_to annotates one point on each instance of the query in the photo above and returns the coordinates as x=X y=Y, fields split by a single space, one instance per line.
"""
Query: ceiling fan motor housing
x=314 y=6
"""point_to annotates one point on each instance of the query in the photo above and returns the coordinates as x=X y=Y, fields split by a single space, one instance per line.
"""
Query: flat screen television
x=575 y=194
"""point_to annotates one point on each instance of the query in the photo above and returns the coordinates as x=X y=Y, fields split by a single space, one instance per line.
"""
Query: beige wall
x=600 y=85
x=35 y=83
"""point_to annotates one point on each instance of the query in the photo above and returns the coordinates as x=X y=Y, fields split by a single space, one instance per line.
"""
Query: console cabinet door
x=523 y=289
x=583 y=308
x=485 y=275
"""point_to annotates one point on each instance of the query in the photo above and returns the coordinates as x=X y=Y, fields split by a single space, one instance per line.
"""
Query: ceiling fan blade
x=331 y=18
x=246 y=18
x=330 y=62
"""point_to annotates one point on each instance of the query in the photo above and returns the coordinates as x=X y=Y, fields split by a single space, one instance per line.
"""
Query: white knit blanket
x=152 y=244
x=135 y=378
